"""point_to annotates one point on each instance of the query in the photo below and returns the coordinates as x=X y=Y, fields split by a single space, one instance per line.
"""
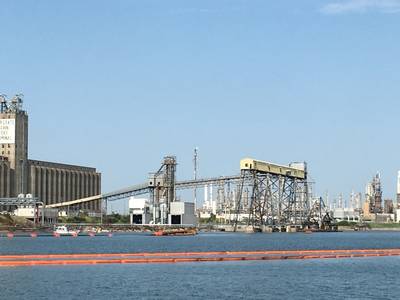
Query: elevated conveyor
x=144 y=188
x=267 y=167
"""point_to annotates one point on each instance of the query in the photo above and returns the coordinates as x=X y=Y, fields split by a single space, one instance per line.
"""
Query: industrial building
x=142 y=212
x=139 y=211
x=182 y=213
x=29 y=213
x=50 y=182
x=374 y=195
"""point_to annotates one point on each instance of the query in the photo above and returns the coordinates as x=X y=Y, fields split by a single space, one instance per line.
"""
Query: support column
x=96 y=203
x=67 y=195
x=63 y=186
x=72 y=185
x=44 y=186
x=54 y=186
x=78 y=187
x=59 y=186
x=94 y=190
x=49 y=186
x=39 y=183
x=92 y=177
x=86 y=184
x=32 y=180
x=82 y=188
x=88 y=181
x=71 y=188
x=98 y=184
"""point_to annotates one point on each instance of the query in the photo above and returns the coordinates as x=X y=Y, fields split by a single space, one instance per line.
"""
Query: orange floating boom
x=174 y=260
x=180 y=257
x=144 y=254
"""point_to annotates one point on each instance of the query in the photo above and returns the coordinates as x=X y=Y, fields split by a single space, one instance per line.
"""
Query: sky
x=120 y=84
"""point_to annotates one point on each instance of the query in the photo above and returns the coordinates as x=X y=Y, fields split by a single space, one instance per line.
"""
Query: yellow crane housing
x=266 y=167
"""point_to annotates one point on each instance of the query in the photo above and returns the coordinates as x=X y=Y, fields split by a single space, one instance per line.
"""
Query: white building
x=182 y=213
x=50 y=214
x=139 y=211
x=346 y=214
x=397 y=215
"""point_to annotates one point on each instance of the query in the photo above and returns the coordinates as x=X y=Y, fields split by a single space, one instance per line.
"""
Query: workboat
x=175 y=232
x=63 y=230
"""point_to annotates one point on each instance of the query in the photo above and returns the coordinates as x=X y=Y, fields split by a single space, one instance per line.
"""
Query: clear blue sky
x=119 y=84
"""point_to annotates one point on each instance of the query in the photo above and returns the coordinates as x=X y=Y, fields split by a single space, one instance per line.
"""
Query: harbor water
x=355 y=278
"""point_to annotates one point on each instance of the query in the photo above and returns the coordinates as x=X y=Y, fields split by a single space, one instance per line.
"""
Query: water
x=358 y=278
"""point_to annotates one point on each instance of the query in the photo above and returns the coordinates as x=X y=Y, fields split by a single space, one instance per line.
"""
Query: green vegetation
x=115 y=218
x=9 y=220
x=79 y=219
x=346 y=223
x=370 y=225
x=211 y=220
x=384 y=225
x=82 y=217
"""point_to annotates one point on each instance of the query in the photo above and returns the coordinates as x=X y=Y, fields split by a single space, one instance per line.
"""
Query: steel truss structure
x=269 y=194
x=19 y=201
x=275 y=199
x=25 y=202
x=162 y=189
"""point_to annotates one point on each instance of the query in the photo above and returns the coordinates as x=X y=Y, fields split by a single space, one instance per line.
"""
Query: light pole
x=195 y=162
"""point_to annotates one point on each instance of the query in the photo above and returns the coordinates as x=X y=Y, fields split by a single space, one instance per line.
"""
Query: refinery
x=261 y=197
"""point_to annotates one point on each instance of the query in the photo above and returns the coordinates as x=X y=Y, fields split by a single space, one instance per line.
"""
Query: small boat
x=175 y=232
x=95 y=231
x=63 y=231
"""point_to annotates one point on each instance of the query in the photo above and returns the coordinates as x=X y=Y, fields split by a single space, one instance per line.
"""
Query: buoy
x=33 y=234
x=110 y=234
x=92 y=234
x=10 y=235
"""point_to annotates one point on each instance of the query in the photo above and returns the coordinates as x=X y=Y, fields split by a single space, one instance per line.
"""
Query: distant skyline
x=119 y=84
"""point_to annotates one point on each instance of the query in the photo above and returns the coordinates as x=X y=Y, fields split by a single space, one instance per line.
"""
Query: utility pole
x=195 y=177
